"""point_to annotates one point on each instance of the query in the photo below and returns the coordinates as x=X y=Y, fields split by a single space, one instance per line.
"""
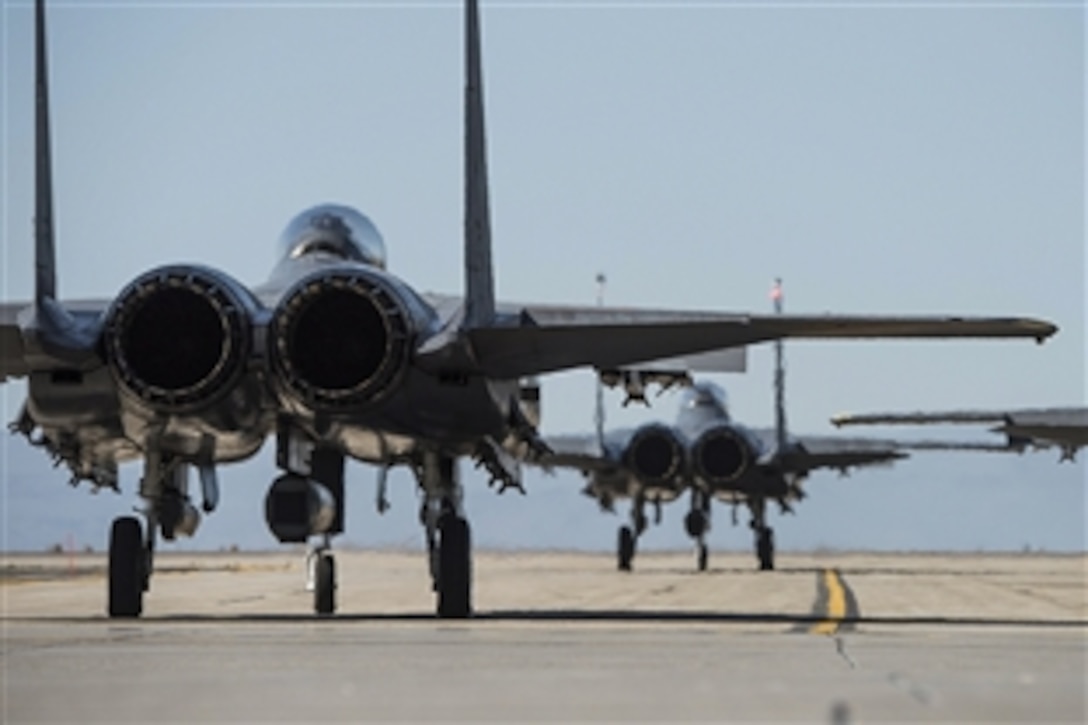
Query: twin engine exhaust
x=181 y=338
x=658 y=456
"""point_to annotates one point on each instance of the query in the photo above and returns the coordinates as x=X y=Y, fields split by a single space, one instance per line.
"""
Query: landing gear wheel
x=325 y=584
x=765 y=549
x=695 y=523
x=454 y=568
x=625 y=549
x=127 y=568
x=702 y=556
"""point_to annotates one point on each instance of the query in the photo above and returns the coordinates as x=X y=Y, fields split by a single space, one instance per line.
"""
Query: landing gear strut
x=449 y=537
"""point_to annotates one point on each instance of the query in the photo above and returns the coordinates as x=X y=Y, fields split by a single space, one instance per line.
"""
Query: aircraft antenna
x=598 y=416
x=779 y=372
x=479 y=283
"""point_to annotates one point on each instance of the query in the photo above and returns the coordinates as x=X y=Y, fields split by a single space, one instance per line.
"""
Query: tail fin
x=479 y=284
x=779 y=374
x=598 y=414
x=45 y=273
x=58 y=331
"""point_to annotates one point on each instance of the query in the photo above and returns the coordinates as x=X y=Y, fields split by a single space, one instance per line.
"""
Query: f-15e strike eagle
x=337 y=358
x=709 y=454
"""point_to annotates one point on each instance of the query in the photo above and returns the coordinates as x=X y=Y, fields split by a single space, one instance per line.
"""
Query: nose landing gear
x=697 y=523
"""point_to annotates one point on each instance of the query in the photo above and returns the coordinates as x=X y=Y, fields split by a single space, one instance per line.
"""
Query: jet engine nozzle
x=655 y=454
x=720 y=455
x=297 y=508
x=178 y=337
x=341 y=338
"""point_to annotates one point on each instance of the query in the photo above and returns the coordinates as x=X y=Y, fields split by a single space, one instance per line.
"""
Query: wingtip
x=1043 y=330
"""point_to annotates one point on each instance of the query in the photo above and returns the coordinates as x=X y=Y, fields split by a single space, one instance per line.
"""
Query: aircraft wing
x=1023 y=416
x=547 y=339
x=1066 y=427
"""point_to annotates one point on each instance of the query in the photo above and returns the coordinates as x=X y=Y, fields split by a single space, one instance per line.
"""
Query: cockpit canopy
x=707 y=395
x=334 y=229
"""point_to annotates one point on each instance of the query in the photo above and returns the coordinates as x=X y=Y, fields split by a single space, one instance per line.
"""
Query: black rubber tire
x=454 y=568
x=703 y=556
x=325 y=585
x=625 y=549
x=127 y=568
x=765 y=550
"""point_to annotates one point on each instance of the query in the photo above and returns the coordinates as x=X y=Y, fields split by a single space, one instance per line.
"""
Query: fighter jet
x=337 y=358
x=1064 y=427
x=709 y=454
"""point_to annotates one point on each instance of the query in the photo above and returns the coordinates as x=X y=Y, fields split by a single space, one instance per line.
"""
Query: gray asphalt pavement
x=558 y=637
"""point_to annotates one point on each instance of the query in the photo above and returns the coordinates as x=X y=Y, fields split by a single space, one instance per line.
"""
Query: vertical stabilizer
x=45 y=266
x=598 y=414
x=479 y=284
x=57 y=331
x=779 y=374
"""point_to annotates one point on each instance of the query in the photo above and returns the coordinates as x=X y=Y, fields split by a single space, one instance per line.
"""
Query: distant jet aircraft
x=336 y=357
x=1064 y=427
x=709 y=454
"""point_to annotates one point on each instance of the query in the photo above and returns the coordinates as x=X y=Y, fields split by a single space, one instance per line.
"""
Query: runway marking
x=835 y=603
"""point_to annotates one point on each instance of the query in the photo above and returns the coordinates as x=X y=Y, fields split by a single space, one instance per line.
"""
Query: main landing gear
x=449 y=537
x=697 y=523
x=628 y=535
x=165 y=488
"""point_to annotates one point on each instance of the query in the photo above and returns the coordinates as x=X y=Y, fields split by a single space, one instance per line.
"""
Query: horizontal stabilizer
x=802 y=462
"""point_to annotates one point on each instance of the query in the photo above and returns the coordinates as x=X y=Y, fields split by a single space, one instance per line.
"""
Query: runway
x=557 y=636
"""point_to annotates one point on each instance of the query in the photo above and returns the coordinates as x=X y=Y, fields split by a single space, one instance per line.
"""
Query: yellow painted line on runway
x=836 y=604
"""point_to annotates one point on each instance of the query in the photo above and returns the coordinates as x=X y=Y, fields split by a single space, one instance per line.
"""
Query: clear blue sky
x=880 y=157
